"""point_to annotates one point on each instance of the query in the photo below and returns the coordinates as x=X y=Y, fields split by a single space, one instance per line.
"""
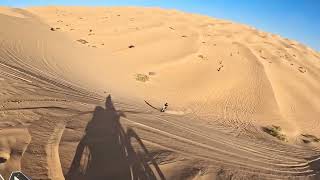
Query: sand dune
x=243 y=104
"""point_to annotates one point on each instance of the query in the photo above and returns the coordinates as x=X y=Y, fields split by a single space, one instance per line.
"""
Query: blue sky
x=293 y=19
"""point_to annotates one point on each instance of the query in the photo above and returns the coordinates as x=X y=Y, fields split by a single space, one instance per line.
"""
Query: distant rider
x=164 y=108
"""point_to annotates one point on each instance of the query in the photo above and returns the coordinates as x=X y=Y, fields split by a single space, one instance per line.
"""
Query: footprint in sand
x=82 y=41
x=263 y=57
x=221 y=66
x=202 y=57
x=54 y=29
x=302 y=69
x=219 y=69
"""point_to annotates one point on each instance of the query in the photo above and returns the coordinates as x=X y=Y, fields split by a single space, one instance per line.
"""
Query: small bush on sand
x=275 y=131
x=142 y=77
x=307 y=138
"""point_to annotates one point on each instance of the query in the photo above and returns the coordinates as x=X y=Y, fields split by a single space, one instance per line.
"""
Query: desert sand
x=81 y=89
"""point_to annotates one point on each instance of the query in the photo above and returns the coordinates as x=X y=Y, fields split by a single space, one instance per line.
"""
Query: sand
x=243 y=104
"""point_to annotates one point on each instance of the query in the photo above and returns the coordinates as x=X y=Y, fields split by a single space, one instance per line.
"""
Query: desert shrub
x=275 y=131
x=152 y=73
x=142 y=77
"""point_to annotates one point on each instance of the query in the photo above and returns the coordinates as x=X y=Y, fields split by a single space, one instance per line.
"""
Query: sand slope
x=223 y=81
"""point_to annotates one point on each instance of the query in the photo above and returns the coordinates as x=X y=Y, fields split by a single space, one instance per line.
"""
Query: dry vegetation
x=142 y=77
x=275 y=131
